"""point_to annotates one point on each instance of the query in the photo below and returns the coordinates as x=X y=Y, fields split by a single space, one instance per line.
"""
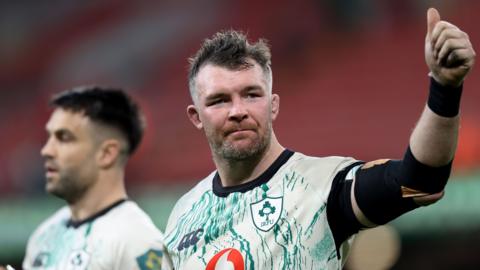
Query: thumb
x=433 y=17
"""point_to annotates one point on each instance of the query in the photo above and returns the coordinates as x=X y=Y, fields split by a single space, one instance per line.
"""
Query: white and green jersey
x=277 y=221
x=121 y=236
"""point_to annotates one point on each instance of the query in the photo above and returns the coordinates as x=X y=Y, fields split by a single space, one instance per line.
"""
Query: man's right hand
x=448 y=51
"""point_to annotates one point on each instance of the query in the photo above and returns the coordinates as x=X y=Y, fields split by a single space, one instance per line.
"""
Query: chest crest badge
x=266 y=212
x=78 y=260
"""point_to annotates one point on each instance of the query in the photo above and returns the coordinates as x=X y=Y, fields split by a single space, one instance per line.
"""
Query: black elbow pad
x=385 y=191
x=378 y=193
x=421 y=177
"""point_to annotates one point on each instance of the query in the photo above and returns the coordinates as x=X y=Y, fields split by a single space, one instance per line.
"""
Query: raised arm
x=384 y=189
x=449 y=56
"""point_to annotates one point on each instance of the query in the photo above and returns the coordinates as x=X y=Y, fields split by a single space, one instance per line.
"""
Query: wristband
x=444 y=100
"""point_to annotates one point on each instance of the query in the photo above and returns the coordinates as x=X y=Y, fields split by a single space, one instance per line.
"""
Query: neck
x=108 y=189
x=238 y=172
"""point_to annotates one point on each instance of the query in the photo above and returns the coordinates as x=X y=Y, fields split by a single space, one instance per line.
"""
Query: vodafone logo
x=227 y=259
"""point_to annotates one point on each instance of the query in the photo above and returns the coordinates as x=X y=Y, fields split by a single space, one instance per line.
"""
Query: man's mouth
x=239 y=132
x=50 y=169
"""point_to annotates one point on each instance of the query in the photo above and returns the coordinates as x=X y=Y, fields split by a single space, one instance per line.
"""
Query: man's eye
x=64 y=136
x=216 y=101
x=253 y=95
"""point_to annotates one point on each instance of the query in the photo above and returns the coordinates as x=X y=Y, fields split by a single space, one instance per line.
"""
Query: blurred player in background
x=91 y=134
x=267 y=207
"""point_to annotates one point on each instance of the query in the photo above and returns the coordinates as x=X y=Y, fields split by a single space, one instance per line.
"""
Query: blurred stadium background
x=350 y=73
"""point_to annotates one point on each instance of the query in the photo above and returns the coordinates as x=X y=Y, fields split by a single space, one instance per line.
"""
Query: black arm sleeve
x=340 y=215
x=378 y=193
x=385 y=191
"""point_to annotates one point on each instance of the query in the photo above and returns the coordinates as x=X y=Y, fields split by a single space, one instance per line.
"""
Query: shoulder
x=60 y=217
x=188 y=199
x=325 y=166
x=129 y=220
x=318 y=172
x=129 y=236
x=128 y=230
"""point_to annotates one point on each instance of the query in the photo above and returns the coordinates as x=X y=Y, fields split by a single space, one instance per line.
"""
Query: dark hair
x=108 y=106
x=230 y=49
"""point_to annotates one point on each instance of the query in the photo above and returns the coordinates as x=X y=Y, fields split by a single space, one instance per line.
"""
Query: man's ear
x=275 y=106
x=109 y=153
x=194 y=117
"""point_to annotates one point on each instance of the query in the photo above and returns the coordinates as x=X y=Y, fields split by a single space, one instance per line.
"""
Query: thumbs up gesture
x=448 y=51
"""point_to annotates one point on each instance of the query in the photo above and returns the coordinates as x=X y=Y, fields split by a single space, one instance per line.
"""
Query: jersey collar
x=77 y=223
x=222 y=191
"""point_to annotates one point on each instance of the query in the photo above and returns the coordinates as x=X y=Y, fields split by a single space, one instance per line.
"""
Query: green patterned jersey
x=119 y=237
x=277 y=221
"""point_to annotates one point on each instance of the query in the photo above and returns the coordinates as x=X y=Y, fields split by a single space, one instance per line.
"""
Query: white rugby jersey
x=121 y=236
x=277 y=221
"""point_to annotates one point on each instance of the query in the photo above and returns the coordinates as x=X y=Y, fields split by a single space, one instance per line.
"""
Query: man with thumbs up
x=267 y=207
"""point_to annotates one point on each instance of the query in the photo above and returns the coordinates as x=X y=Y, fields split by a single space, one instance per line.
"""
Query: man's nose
x=48 y=149
x=238 y=111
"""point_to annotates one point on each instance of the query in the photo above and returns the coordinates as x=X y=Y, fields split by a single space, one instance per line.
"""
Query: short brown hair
x=232 y=50
x=107 y=106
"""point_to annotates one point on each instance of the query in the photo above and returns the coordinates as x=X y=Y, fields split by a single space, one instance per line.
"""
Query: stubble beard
x=68 y=188
x=230 y=152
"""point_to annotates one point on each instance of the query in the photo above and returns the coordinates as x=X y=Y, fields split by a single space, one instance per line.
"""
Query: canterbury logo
x=190 y=239
x=229 y=258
